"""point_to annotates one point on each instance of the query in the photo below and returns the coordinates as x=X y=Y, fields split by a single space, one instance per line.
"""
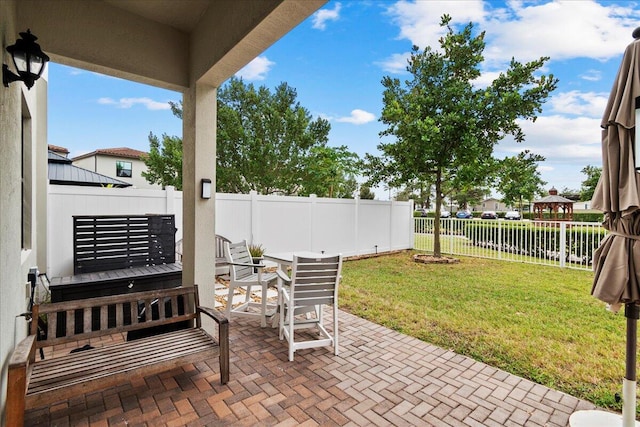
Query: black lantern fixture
x=205 y=188
x=28 y=59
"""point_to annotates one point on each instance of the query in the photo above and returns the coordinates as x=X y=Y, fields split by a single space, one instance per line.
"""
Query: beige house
x=125 y=164
x=189 y=46
x=491 y=204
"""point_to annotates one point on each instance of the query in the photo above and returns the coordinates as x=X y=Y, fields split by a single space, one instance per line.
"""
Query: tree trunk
x=437 y=251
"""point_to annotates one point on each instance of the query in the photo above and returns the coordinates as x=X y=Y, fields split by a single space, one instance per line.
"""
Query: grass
x=537 y=322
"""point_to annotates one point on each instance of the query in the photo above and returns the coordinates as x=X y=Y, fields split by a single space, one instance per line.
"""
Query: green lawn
x=534 y=321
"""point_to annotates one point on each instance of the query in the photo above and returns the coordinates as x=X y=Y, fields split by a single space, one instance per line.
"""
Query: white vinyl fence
x=278 y=223
x=556 y=243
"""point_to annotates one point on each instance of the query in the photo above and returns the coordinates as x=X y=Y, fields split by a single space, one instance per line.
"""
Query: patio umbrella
x=617 y=259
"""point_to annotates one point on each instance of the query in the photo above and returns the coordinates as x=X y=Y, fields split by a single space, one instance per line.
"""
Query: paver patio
x=380 y=378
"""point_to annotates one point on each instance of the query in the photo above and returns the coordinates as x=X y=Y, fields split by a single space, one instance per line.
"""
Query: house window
x=123 y=169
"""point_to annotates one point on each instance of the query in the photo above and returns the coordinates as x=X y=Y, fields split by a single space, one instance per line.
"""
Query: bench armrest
x=214 y=314
x=18 y=380
x=223 y=340
x=23 y=354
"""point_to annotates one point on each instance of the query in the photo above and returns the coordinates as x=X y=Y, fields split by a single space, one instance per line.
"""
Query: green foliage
x=443 y=127
x=366 y=193
x=164 y=162
x=329 y=172
x=267 y=142
x=468 y=196
x=256 y=250
x=589 y=184
x=519 y=178
x=570 y=194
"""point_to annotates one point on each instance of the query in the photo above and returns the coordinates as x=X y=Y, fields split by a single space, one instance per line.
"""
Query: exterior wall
x=491 y=205
x=106 y=165
x=279 y=223
x=19 y=108
x=582 y=206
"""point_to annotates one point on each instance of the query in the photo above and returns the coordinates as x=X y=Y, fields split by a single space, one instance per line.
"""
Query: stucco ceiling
x=182 y=15
x=166 y=43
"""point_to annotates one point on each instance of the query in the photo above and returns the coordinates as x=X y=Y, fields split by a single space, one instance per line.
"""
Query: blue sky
x=337 y=58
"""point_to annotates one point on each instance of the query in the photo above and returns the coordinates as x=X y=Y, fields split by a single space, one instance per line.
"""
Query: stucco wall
x=18 y=108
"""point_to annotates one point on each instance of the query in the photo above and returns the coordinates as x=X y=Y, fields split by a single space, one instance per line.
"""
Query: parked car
x=422 y=211
x=515 y=215
x=445 y=214
x=489 y=215
x=464 y=214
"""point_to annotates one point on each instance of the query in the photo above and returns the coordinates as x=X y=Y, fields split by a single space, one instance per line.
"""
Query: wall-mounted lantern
x=28 y=59
x=205 y=188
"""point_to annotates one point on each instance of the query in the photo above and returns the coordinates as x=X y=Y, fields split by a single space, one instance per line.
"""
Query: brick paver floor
x=380 y=378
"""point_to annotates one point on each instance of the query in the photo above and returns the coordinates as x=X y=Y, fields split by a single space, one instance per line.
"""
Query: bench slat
x=115 y=358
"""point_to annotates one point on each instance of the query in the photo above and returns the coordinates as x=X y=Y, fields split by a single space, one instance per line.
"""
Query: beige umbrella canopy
x=617 y=259
x=618 y=192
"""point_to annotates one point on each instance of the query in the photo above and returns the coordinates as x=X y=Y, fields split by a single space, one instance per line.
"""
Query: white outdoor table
x=285 y=259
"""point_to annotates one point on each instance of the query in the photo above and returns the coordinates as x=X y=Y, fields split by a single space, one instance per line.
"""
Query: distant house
x=59 y=150
x=123 y=163
x=582 y=206
x=61 y=172
x=491 y=204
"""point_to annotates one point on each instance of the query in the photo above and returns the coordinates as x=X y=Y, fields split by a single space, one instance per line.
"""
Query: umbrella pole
x=632 y=313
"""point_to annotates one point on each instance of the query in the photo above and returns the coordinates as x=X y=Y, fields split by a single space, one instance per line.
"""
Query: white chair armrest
x=241 y=264
x=282 y=275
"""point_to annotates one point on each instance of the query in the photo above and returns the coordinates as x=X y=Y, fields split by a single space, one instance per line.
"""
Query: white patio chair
x=245 y=274
x=313 y=284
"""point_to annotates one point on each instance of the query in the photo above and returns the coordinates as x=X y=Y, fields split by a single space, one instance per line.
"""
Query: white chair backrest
x=314 y=281
x=239 y=253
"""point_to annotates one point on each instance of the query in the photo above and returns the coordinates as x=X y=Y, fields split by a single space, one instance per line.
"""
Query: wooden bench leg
x=16 y=391
x=223 y=332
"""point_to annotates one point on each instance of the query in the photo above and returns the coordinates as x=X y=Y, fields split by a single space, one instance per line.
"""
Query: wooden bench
x=114 y=254
x=33 y=383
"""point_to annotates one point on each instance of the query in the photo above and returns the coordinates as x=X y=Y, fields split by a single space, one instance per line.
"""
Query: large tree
x=444 y=126
x=164 y=162
x=366 y=193
x=266 y=141
x=519 y=178
x=589 y=185
x=330 y=172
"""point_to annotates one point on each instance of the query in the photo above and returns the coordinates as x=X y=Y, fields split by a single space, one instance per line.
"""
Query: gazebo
x=553 y=203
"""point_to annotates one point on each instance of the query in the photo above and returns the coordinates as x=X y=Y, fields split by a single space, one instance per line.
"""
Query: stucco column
x=198 y=162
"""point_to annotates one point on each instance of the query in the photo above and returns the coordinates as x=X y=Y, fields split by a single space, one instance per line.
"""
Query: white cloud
x=420 y=21
x=551 y=29
x=321 y=17
x=589 y=104
x=568 y=144
x=591 y=75
x=571 y=140
x=396 y=63
x=524 y=30
x=357 y=117
x=150 y=104
x=256 y=69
